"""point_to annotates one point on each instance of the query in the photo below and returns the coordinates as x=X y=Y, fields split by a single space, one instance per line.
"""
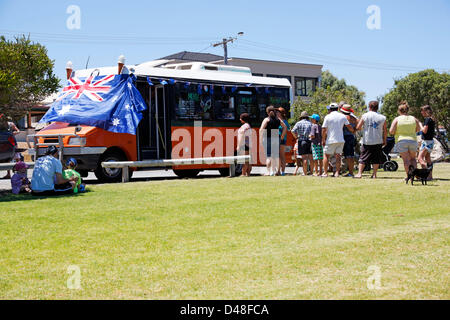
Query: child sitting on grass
x=19 y=180
x=71 y=165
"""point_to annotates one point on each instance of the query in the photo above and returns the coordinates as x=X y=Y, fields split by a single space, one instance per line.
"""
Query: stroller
x=389 y=165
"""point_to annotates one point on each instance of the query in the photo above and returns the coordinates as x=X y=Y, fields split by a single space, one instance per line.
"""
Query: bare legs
x=326 y=164
x=297 y=166
x=409 y=158
x=268 y=165
x=338 y=165
x=425 y=160
x=246 y=167
x=282 y=167
x=361 y=167
x=305 y=159
x=350 y=164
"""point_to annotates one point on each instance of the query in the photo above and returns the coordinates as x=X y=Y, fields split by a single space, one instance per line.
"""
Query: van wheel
x=189 y=173
x=109 y=175
x=83 y=173
x=224 y=172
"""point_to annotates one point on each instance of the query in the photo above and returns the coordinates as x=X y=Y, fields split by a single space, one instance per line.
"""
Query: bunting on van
x=109 y=102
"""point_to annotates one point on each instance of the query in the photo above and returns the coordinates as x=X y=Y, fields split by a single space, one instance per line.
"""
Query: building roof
x=193 y=56
x=208 y=57
x=275 y=61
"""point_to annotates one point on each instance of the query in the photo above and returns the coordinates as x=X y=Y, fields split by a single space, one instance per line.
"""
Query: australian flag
x=109 y=102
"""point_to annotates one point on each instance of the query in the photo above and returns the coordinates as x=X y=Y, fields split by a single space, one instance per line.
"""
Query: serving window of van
x=193 y=102
x=224 y=104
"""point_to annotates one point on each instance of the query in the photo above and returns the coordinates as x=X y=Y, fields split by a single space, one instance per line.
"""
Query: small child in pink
x=19 y=180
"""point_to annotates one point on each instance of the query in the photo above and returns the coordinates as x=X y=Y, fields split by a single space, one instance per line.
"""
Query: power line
x=224 y=44
x=330 y=59
x=85 y=38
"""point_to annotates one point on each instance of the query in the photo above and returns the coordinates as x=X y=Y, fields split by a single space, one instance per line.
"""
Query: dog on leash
x=419 y=174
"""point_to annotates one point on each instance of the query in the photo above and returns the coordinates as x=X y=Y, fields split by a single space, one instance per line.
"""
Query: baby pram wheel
x=390 y=166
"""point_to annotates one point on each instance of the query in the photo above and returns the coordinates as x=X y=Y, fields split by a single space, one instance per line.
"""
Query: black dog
x=419 y=174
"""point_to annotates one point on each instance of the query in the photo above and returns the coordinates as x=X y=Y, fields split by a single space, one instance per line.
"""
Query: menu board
x=224 y=109
x=247 y=104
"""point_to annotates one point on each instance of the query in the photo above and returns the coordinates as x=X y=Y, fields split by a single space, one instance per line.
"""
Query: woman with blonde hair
x=405 y=127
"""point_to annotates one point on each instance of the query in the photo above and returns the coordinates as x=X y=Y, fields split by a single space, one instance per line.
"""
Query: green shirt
x=406 y=128
x=69 y=173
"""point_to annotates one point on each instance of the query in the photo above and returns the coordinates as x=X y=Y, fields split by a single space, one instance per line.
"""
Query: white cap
x=69 y=65
x=121 y=59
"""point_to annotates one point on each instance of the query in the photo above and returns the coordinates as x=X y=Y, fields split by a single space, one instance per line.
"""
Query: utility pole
x=224 y=43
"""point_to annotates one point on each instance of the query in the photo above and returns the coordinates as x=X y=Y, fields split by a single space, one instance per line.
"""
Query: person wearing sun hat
x=349 y=137
x=316 y=145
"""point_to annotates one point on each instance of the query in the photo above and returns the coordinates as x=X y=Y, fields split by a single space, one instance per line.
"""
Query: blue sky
x=414 y=34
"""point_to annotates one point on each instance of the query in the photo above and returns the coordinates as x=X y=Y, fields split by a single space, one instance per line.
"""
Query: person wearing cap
x=349 y=137
x=19 y=180
x=47 y=179
x=374 y=138
x=333 y=137
x=316 y=145
x=332 y=105
x=71 y=165
x=301 y=132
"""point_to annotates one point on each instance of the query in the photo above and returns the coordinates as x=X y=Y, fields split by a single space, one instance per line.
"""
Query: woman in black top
x=270 y=139
x=427 y=137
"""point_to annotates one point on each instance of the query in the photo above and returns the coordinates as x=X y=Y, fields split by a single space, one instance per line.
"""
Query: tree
x=426 y=87
x=26 y=76
x=331 y=90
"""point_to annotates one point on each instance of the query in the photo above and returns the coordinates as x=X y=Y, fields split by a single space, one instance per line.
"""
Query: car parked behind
x=8 y=145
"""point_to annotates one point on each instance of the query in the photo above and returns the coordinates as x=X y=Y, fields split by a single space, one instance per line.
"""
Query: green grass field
x=242 y=238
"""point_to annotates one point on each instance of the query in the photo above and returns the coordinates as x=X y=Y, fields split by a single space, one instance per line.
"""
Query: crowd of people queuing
x=318 y=143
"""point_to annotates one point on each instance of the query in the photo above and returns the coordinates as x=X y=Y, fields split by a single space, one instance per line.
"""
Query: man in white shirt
x=333 y=137
x=374 y=138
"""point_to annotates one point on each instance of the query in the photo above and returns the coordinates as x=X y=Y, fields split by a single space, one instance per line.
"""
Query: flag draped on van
x=109 y=102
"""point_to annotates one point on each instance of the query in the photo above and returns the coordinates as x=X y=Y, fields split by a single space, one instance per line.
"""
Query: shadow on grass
x=8 y=196
x=144 y=179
